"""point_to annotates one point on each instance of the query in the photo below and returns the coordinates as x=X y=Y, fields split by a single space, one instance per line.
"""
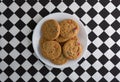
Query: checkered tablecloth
x=18 y=62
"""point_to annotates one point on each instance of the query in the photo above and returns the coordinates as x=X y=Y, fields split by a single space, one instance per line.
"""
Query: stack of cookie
x=59 y=42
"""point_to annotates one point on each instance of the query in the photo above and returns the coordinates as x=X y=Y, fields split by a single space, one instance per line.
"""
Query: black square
x=91 y=59
x=20 y=80
x=80 y=2
x=31 y=2
x=8 y=25
x=116 y=2
x=32 y=59
x=32 y=80
x=104 y=13
x=19 y=12
x=20 y=59
x=103 y=71
x=56 y=2
x=104 y=2
x=91 y=80
x=20 y=36
x=92 y=36
x=7 y=2
x=92 y=2
x=8 y=13
x=115 y=71
x=68 y=2
x=20 y=24
x=8 y=48
x=55 y=71
x=115 y=25
x=103 y=36
x=30 y=35
x=67 y=80
x=80 y=12
x=30 y=48
x=8 y=59
x=92 y=12
x=20 y=48
x=20 y=2
x=92 y=24
x=114 y=80
x=91 y=70
x=79 y=70
x=8 y=80
x=92 y=47
x=44 y=71
x=68 y=11
x=44 y=2
x=81 y=61
x=8 y=70
x=115 y=59
x=20 y=71
x=79 y=80
x=55 y=80
x=115 y=48
x=32 y=24
x=8 y=36
x=104 y=25
x=67 y=71
x=103 y=59
x=32 y=12
x=44 y=12
x=103 y=80
x=32 y=71
x=103 y=48
x=116 y=13
x=44 y=80
x=115 y=36
x=55 y=10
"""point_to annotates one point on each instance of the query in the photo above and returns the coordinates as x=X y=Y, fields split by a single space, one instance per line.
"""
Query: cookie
x=42 y=40
x=68 y=28
x=50 y=29
x=51 y=49
x=60 y=60
x=61 y=39
x=72 y=49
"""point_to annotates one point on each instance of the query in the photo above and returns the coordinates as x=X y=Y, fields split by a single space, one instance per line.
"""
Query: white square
x=74 y=7
x=14 y=65
x=86 y=7
x=118 y=42
x=3 y=42
x=98 y=19
x=62 y=7
x=3 y=7
x=14 y=30
x=108 y=76
x=26 y=53
x=109 y=54
x=26 y=30
x=85 y=65
x=37 y=18
x=109 y=65
x=26 y=65
x=26 y=76
x=118 y=31
x=110 y=19
x=110 y=7
x=14 y=42
x=38 y=65
x=3 y=31
x=14 y=53
x=85 y=76
x=3 y=54
x=109 y=42
x=26 y=18
x=73 y=76
x=97 y=76
x=98 y=7
x=50 y=76
x=13 y=18
x=3 y=19
x=14 y=7
x=97 y=65
x=118 y=54
x=86 y=18
x=14 y=77
x=118 y=65
x=110 y=30
x=98 y=30
x=26 y=42
x=3 y=65
x=38 y=76
x=97 y=42
x=50 y=7
x=118 y=7
x=26 y=7
x=118 y=76
x=38 y=7
x=97 y=53
x=3 y=77
x=61 y=76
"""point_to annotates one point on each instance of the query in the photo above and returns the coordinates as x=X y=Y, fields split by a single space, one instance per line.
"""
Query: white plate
x=37 y=34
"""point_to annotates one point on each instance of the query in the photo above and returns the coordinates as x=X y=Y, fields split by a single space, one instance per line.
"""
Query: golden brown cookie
x=60 y=60
x=61 y=39
x=42 y=40
x=51 y=49
x=72 y=49
x=68 y=28
x=50 y=29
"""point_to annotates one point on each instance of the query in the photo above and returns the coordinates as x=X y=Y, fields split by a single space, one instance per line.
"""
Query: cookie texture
x=50 y=29
x=72 y=49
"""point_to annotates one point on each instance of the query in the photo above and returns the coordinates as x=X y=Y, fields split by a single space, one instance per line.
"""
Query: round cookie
x=72 y=49
x=42 y=40
x=51 y=49
x=61 y=39
x=60 y=60
x=68 y=28
x=50 y=29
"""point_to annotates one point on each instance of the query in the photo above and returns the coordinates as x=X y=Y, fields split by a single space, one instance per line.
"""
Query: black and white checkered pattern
x=102 y=23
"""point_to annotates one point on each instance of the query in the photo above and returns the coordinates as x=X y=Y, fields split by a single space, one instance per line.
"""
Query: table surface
x=101 y=62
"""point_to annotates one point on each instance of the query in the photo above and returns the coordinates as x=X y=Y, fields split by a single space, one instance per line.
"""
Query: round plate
x=37 y=34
